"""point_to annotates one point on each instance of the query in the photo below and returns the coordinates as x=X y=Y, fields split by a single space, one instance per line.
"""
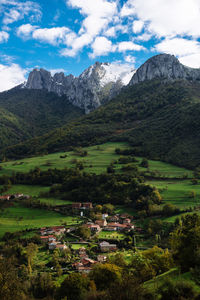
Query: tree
x=10 y=285
x=144 y=163
x=84 y=232
x=176 y=290
x=31 y=251
x=104 y=275
x=185 y=242
x=74 y=287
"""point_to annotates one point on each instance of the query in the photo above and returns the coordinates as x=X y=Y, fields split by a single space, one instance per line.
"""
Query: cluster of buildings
x=49 y=236
x=115 y=223
x=85 y=264
x=14 y=196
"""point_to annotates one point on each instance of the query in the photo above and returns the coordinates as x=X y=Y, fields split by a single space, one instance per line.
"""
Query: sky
x=71 y=35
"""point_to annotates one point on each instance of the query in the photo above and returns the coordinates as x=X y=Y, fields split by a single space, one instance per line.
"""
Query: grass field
x=78 y=246
x=32 y=190
x=97 y=160
x=111 y=235
x=18 y=218
x=178 y=192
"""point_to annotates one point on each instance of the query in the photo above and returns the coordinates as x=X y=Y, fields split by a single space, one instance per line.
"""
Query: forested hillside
x=28 y=113
x=159 y=119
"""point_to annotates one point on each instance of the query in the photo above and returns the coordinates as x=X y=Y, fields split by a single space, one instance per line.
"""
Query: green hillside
x=160 y=120
x=28 y=113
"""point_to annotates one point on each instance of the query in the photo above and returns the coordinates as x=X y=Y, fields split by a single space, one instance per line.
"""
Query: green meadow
x=17 y=218
x=183 y=193
x=98 y=159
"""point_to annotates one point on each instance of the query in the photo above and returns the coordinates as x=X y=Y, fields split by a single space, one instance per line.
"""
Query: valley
x=101 y=193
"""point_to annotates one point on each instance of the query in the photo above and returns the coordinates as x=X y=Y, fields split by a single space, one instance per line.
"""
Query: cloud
x=192 y=60
x=97 y=15
x=25 y=31
x=143 y=37
x=101 y=46
x=53 y=36
x=127 y=46
x=14 y=11
x=4 y=36
x=10 y=76
x=130 y=59
x=54 y=71
x=178 y=46
x=137 y=26
x=166 y=18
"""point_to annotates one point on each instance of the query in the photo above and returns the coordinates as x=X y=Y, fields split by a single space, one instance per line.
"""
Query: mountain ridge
x=95 y=86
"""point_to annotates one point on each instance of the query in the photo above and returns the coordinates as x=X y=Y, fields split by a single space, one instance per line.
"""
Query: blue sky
x=70 y=35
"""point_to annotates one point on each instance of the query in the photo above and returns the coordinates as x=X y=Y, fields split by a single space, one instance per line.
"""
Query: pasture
x=17 y=218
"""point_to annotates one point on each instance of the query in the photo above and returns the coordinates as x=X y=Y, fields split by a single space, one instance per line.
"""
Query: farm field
x=111 y=235
x=32 y=190
x=17 y=218
x=179 y=193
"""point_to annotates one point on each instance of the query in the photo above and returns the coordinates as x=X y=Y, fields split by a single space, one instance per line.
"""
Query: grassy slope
x=32 y=218
x=99 y=157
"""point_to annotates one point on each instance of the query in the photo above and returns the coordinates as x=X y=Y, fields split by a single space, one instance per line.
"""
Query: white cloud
x=4 y=36
x=54 y=71
x=112 y=31
x=97 y=15
x=53 y=36
x=101 y=46
x=13 y=10
x=167 y=18
x=143 y=37
x=126 y=46
x=138 y=26
x=25 y=30
x=10 y=76
x=192 y=60
x=178 y=46
x=130 y=59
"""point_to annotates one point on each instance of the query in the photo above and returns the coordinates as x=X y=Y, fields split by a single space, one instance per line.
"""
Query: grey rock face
x=164 y=66
x=96 y=85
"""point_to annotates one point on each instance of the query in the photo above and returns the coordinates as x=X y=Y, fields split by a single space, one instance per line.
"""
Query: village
x=54 y=236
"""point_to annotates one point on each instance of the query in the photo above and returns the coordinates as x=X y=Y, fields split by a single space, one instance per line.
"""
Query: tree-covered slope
x=28 y=113
x=160 y=120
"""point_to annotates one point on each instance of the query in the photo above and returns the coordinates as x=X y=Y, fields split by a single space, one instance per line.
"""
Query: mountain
x=95 y=86
x=158 y=116
x=164 y=66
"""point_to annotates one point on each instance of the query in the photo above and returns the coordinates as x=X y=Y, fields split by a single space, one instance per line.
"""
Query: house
x=93 y=227
x=82 y=252
x=52 y=245
x=105 y=247
x=104 y=216
x=61 y=246
x=47 y=238
x=101 y=258
x=127 y=221
x=85 y=265
x=5 y=197
x=101 y=223
x=76 y=205
x=18 y=195
x=87 y=205
x=114 y=219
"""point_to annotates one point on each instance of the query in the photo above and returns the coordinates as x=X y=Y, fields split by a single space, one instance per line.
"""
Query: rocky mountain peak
x=164 y=66
x=96 y=85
